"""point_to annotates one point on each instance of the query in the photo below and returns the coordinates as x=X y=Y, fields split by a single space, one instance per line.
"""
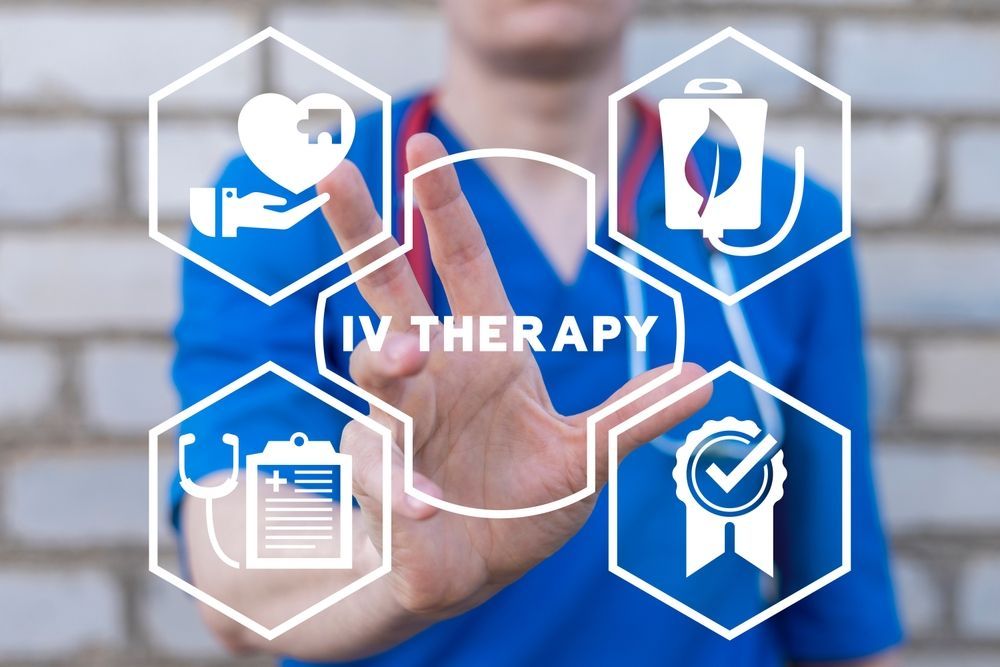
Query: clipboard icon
x=304 y=521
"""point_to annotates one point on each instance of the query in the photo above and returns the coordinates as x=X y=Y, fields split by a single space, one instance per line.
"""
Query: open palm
x=485 y=432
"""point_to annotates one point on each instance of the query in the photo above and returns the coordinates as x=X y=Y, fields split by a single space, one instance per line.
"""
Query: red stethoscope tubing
x=417 y=119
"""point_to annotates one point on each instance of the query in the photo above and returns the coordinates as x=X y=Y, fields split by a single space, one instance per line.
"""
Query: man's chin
x=550 y=61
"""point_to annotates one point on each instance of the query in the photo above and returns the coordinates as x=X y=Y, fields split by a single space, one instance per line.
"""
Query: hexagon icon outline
x=714 y=290
x=674 y=603
x=269 y=299
x=155 y=515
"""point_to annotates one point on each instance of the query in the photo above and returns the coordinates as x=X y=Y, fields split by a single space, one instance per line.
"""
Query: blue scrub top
x=570 y=610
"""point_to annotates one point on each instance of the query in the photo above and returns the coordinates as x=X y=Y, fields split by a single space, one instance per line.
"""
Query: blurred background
x=87 y=301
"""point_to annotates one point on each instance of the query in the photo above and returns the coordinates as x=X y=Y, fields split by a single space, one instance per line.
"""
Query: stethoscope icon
x=210 y=493
x=200 y=491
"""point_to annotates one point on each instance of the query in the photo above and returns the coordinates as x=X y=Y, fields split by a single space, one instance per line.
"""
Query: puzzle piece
x=317 y=125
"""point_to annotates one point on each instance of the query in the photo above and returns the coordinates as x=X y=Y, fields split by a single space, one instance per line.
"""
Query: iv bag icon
x=684 y=121
x=728 y=196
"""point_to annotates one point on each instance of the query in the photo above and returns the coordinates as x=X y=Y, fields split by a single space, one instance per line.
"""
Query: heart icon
x=294 y=159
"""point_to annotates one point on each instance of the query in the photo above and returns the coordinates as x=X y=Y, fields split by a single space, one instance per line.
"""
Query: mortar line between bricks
x=907 y=387
x=937 y=204
x=929 y=439
x=803 y=112
x=944 y=547
x=958 y=234
x=151 y=338
x=70 y=412
x=938 y=548
x=926 y=333
x=937 y=226
x=41 y=112
x=132 y=604
x=957 y=646
x=120 y=166
x=25 y=334
x=855 y=9
x=43 y=448
x=819 y=50
x=951 y=575
x=266 y=63
x=111 y=223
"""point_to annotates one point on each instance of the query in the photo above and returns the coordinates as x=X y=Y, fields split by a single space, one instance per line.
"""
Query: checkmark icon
x=727 y=482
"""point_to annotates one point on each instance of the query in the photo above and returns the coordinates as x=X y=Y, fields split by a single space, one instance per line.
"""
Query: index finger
x=458 y=248
x=392 y=289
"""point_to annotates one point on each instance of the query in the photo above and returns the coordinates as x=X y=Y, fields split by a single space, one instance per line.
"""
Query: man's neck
x=566 y=117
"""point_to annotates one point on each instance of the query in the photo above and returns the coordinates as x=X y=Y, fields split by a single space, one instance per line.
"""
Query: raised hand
x=485 y=432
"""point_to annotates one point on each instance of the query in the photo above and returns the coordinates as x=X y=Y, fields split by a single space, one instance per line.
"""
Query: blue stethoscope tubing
x=739 y=329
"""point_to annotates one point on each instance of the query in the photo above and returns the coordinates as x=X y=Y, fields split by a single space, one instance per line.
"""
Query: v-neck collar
x=503 y=208
x=504 y=204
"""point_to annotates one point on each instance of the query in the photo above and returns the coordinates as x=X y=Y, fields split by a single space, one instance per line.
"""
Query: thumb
x=619 y=409
x=367 y=452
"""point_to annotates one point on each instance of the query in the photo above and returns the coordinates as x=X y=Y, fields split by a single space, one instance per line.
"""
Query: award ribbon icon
x=744 y=497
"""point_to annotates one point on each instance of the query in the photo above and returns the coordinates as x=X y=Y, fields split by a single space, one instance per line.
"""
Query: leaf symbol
x=723 y=175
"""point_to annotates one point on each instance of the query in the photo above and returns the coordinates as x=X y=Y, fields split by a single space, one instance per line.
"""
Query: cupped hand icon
x=254 y=210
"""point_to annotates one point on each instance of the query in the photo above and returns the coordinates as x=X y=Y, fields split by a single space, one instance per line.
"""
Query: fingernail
x=395 y=348
x=419 y=508
x=415 y=505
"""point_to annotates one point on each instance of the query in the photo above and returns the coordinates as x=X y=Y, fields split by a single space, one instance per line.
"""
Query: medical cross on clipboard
x=276 y=480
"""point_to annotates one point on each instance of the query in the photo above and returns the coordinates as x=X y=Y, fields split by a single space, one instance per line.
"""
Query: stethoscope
x=720 y=269
x=210 y=493
x=417 y=118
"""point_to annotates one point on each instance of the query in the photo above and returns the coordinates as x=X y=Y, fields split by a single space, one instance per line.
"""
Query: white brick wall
x=115 y=56
x=171 y=621
x=652 y=40
x=63 y=168
x=951 y=658
x=77 y=282
x=978 y=593
x=126 y=386
x=920 y=596
x=367 y=42
x=192 y=154
x=95 y=501
x=934 y=66
x=939 y=486
x=885 y=368
x=32 y=378
x=974 y=161
x=55 y=614
x=935 y=281
x=893 y=170
x=955 y=383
